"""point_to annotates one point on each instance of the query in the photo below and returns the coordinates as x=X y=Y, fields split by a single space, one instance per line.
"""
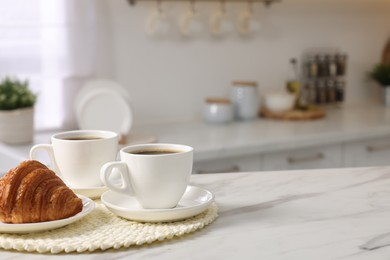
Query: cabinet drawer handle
x=379 y=148
x=315 y=157
x=234 y=168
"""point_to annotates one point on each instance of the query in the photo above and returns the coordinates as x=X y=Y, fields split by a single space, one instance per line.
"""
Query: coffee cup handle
x=121 y=167
x=49 y=149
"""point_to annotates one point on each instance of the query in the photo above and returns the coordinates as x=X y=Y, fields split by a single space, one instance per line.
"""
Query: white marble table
x=314 y=214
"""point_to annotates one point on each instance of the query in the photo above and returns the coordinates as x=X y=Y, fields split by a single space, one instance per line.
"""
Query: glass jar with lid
x=218 y=110
x=245 y=99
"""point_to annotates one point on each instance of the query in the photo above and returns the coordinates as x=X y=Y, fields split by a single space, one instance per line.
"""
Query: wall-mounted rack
x=265 y=2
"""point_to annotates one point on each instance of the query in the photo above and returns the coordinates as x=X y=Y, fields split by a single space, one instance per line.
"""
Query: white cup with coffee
x=77 y=156
x=155 y=174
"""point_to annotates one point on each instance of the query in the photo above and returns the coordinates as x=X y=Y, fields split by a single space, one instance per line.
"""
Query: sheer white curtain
x=56 y=45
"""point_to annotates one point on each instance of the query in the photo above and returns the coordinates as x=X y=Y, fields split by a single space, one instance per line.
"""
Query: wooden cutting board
x=293 y=114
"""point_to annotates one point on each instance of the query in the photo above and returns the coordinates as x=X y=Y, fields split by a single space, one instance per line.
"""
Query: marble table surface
x=312 y=214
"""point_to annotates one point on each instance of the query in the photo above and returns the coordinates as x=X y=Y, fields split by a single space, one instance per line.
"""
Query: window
x=56 y=45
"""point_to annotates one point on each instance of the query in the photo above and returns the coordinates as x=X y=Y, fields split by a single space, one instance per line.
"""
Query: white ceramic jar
x=245 y=100
x=217 y=110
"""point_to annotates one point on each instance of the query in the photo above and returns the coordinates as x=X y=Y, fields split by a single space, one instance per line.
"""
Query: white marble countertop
x=212 y=141
x=313 y=214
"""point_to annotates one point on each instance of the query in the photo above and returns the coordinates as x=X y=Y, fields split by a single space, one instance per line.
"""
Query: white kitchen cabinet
x=235 y=164
x=309 y=158
x=373 y=152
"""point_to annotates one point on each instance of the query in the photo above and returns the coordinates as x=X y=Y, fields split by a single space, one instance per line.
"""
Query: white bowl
x=279 y=102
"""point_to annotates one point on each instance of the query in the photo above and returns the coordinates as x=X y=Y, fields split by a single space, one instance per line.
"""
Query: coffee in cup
x=155 y=151
x=157 y=175
x=77 y=156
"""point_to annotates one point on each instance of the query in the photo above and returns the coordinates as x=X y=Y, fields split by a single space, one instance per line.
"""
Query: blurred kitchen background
x=62 y=44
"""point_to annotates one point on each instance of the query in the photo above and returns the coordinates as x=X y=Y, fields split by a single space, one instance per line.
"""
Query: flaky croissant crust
x=31 y=193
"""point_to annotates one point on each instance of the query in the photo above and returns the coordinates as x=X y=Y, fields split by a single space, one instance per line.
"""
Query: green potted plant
x=16 y=111
x=381 y=74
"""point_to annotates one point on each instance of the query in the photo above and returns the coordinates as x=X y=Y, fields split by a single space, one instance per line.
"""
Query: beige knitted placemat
x=103 y=230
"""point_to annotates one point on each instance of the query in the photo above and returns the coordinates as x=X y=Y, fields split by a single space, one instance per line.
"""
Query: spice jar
x=312 y=67
x=341 y=63
x=332 y=66
x=340 y=90
x=321 y=92
x=331 y=91
x=245 y=99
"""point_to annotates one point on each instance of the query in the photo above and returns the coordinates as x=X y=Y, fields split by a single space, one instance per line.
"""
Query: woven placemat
x=102 y=230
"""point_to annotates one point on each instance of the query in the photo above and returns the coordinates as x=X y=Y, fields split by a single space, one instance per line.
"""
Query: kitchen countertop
x=312 y=214
x=212 y=141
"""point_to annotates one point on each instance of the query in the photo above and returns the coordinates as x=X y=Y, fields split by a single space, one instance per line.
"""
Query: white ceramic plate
x=103 y=105
x=88 y=206
x=194 y=201
x=93 y=85
x=105 y=110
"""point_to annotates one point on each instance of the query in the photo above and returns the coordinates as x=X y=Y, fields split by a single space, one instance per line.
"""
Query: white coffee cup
x=157 y=180
x=216 y=22
x=244 y=22
x=190 y=22
x=247 y=23
x=219 y=23
x=77 y=156
x=158 y=23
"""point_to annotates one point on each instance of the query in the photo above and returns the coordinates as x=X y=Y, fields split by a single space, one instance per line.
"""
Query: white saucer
x=96 y=192
x=195 y=200
x=88 y=206
x=139 y=138
x=90 y=192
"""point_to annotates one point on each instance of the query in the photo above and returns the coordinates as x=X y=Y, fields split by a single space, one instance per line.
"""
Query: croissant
x=31 y=193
